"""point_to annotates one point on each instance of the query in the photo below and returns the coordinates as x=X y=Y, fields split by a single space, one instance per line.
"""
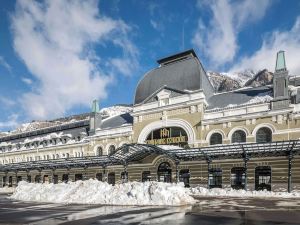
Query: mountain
x=263 y=77
x=231 y=81
x=35 y=125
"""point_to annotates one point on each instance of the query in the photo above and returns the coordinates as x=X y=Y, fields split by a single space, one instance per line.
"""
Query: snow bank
x=228 y=192
x=96 y=192
x=5 y=190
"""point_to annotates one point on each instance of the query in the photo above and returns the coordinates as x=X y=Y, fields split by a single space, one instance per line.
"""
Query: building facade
x=175 y=106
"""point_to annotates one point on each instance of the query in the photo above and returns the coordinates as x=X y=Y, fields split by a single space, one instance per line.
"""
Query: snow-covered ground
x=96 y=192
x=228 y=192
x=132 y=193
x=7 y=190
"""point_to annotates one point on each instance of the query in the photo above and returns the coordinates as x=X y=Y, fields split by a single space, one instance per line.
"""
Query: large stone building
x=246 y=138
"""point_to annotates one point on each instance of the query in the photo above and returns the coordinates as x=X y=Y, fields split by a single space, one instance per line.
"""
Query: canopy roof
x=131 y=153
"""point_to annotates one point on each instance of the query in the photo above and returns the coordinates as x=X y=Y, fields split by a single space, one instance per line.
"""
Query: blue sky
x=57 y=56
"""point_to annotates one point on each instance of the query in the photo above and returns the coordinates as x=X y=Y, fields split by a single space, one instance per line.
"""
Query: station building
x=179 y=129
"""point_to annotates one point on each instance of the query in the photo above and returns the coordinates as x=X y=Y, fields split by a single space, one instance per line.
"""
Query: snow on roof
x=36 y=125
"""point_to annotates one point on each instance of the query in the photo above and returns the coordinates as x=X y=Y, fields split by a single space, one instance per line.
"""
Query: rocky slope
x=231 y=81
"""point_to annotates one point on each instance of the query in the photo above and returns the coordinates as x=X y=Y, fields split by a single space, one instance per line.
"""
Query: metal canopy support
x=208 y=171
x=290 y=172
x=104 y=173
x=290 y=157
x=245 y=158
x=177 y=171
x=125 y=173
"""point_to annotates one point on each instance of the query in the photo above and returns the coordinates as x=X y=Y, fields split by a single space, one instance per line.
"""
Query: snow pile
x=6 y=190
x=116 y=110
x=228 y=192
x=97 y=192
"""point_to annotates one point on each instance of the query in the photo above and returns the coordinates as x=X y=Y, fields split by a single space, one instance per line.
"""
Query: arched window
x=264 y=135
x=111 y=149
x=215 y=139
x=164 y=172
x=238 y=136
x=99 y=151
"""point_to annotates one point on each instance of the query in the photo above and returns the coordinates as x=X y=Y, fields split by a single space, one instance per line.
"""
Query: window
x=78 y=176
x=146 y=176
x=215 y=178
x=111 y=178
x=164 y=172
x=65 y=178
x=37 y=179
x=238 y=177
x=124 y=177
x=111 y=149
x=46 y=179
x=19 y=178
x=184 y=176
x=215 y=139
x=99 y=151
x=263 y=178
x=3 y=181
x=164 y=102
x=55 y=179
x=99 y=176
x=10 y=181
x=238 y=136
x=264 y=135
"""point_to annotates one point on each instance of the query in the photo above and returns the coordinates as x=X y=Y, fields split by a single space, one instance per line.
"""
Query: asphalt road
x=231 y=211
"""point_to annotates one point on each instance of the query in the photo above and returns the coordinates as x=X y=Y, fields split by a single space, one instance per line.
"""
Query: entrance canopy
x=130 y=153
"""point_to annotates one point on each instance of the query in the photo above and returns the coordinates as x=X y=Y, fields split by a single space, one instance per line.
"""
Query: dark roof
x=183 y=73
x=117 y=121
x=75 y=127
x=177 y=56
x=238 y=97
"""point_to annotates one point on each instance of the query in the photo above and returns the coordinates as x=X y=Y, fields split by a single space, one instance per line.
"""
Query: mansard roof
x=238 y=97
x=117 y=121
x=182 y=72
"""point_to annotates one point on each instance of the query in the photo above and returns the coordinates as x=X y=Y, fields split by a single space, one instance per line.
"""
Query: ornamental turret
x=95 y=118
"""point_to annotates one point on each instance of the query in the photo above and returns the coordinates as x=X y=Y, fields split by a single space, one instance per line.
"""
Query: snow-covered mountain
x=231 y=81
x=116 y=110
x=35 y=125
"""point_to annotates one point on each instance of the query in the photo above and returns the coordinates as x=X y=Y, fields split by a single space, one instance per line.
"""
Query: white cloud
x=26 y=80
x=5 y=64
x=265 y=57
x=218 y=39
x=54 y=40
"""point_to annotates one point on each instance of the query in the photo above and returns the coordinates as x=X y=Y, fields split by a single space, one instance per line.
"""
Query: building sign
x=168 y=136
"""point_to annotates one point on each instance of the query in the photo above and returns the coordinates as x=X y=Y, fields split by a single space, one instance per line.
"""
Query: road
x=231 y=211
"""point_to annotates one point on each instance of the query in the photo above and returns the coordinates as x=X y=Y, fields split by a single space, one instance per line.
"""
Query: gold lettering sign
x=164 y=132
x=167 y=141
x=167 y=136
